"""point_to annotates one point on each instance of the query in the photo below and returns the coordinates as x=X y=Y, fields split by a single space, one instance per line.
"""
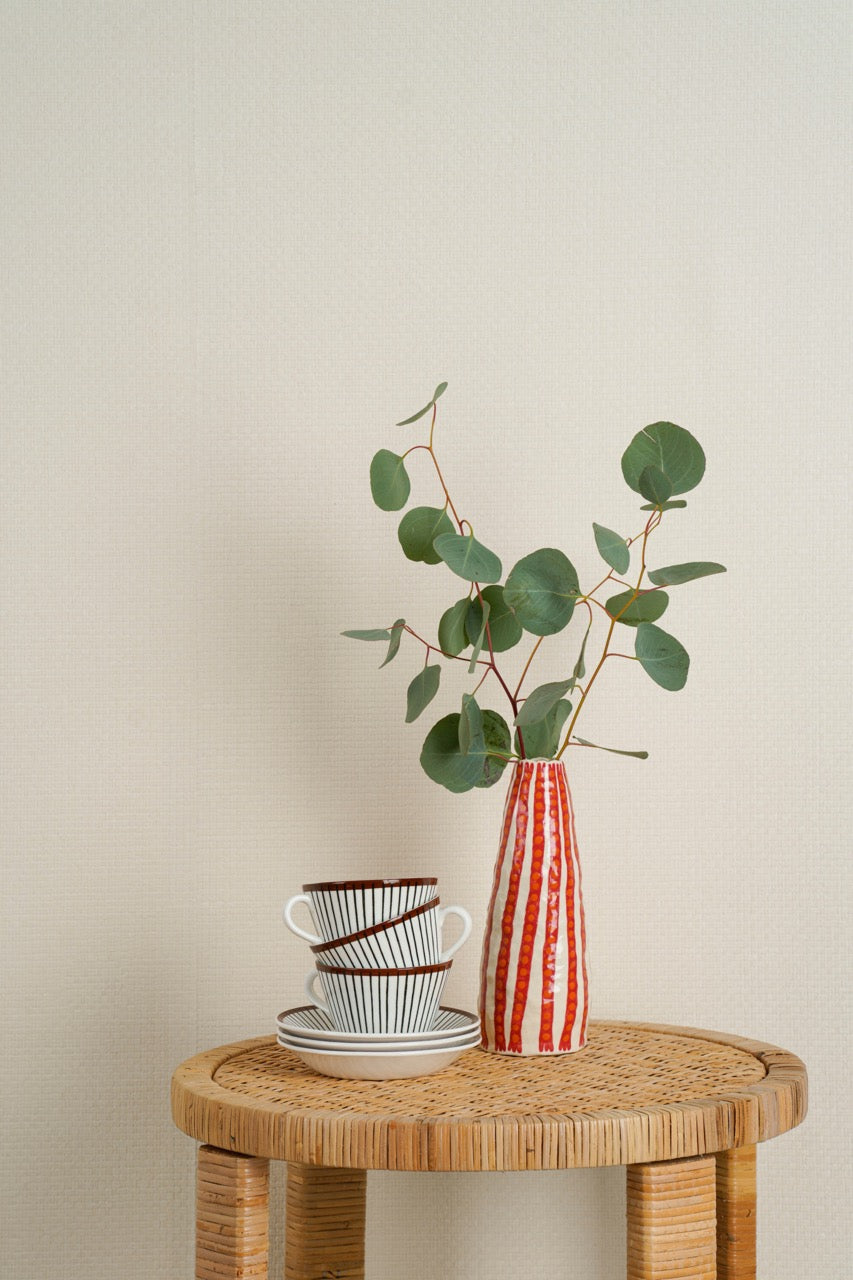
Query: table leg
x=324 y=1225
x=671 y=1220
x=736 y=1202
x=232 y=1216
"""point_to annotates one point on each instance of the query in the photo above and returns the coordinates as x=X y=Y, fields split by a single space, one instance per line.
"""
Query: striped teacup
x=343 y=907
x=380 y=1001
x=413 y=938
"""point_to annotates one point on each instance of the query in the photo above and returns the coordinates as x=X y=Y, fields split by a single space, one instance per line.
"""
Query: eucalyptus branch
x=537 y=597
x=573 y=721
x=433 y=648
x=533 y=653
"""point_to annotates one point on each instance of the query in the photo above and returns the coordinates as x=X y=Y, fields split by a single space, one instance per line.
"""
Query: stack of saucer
x=309 y=1032
x=379 y=960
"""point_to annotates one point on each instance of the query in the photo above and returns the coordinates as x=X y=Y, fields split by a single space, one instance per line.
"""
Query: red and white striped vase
x=533 y=980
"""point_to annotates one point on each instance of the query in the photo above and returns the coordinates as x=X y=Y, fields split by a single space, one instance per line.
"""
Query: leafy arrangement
x=471 y=747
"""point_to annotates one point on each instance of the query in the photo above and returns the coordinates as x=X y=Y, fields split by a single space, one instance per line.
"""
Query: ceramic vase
x=533 y=980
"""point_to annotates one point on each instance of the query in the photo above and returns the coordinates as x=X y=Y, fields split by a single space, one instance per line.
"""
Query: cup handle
x=287 y=914
x=312 y=995
x=466 y=928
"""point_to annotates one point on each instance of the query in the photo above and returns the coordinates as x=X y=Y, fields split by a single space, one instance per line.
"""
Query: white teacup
x=380 y=1001
x=412 y=939
x=343 y=907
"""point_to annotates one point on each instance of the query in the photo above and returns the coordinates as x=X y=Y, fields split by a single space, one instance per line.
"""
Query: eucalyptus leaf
x=421 y=691
x=664 y=506
x=471 y=726
x=389 y=481
x=497 y=747
x=394 y=645
x=638 y=755
x=376 y=633
x=542 y=589
x=439 y=391
x=504 y=628
x=671 y=449
x=580 y=669
x=662 y=656
x=418 y=530
x=542 y=740
x=468 y=558
x=654 y=485
x=612 y=549
x=674 y=574
x=478 y=644
x=541 y=701
x=647 y=607
x=442 y=760
x=451 y=629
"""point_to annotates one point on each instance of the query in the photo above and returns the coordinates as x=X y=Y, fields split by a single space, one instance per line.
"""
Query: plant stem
x=527 y=664
x=651 y=524
x=457 y=657
x=491 y=664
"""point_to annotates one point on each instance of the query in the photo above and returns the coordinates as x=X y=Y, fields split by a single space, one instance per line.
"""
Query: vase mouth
x=539 y=760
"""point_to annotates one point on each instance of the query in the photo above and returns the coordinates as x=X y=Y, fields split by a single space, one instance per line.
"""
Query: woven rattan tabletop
x=636 y=1093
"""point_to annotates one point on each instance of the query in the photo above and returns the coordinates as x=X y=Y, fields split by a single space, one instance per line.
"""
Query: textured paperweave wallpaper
x=240 y=242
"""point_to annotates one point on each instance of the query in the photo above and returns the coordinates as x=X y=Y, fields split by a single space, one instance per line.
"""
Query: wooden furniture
x=682 y=1108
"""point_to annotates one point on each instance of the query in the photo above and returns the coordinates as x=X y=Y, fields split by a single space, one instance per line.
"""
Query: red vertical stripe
x=502 y=967
x=577 y=861
x=509 y=811
x=552 y=918
x=531 y=911
x=572 y=976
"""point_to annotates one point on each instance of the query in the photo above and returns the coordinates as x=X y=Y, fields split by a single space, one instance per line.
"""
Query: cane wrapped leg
x=672 y=1220
x=324 y=1227
x=232 y=1216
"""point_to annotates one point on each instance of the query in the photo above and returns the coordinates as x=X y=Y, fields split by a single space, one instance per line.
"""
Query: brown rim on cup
x=324 y=886
x=383 y=973
x=375 y=928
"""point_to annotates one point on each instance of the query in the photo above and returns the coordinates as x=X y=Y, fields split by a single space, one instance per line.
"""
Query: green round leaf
x=662 y=656
x=451 y=629
x=389 y=481
x=542 y=740
x=468 y=558
x=394 y=643
x=471 y=726
x=421 y=691
x=654 y=485
x=616 y=751
x=418 y=530
x=439 y=391
x=674 y=574
x=496 y=739
x=646 y=608
x=612 y=549
x=374 y=633
x=442 y=760
x=481 y=639
x=541 y=590
x=504 y=627
x=664 y=506
x=541 y=701
x=671 y=449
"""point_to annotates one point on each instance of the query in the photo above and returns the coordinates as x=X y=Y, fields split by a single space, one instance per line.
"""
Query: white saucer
x=312 y=1024
x=462 y=1040
x=372 y=1065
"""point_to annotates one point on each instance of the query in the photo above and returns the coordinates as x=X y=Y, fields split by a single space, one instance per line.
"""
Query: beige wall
x=240 y=242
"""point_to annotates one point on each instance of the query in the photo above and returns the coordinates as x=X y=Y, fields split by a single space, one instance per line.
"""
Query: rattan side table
x=682 y=1108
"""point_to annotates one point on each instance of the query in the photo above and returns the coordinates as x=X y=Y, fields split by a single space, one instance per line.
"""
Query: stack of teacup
x=381 y=967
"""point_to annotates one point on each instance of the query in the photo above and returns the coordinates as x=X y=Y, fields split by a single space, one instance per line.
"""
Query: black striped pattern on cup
x=345 y=907
x=405 y=942
x=384 y=1001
